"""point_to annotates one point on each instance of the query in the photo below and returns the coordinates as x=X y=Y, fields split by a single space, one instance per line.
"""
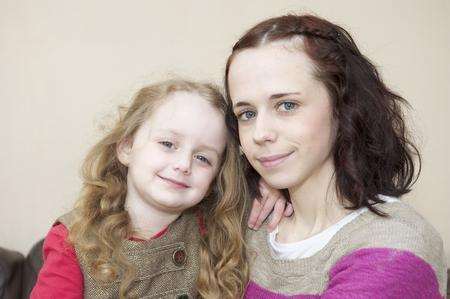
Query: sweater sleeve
x=382 y=273
x=60 y=275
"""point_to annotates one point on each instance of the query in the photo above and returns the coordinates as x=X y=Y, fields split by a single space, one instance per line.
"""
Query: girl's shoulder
x=67 y=219
x=57 y=233
x=56 y=242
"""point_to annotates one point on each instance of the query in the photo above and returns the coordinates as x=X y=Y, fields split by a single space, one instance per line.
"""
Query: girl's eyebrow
x=209 y=148
x=272 y=97
x=172 y=132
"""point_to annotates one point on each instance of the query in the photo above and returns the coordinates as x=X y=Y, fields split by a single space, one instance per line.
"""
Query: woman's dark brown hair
x=373 y=153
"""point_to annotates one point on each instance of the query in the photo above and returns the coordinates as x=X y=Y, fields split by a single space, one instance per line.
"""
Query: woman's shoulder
x=402 y=227
x=402 y=231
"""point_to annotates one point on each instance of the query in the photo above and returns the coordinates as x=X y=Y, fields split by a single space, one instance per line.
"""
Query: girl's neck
x=146 y=220
x=316 y=206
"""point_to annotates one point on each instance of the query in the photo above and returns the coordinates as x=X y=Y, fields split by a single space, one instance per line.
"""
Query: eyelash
x=277 y=106
x=239 y=116
x=295 y=105
x=201 y=158
x=167 y=144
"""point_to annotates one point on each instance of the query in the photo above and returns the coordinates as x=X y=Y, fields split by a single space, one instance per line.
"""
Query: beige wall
x=65 y=65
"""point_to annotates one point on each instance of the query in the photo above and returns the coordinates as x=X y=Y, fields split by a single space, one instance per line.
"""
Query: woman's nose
x=263 y=130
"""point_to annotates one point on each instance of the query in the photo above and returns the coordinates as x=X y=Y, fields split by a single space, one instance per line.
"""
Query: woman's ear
x=123 y=151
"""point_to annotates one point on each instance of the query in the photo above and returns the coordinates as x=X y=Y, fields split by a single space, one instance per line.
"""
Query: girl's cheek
x=208 y=177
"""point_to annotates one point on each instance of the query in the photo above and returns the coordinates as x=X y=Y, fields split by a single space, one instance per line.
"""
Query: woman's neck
x=316 y=207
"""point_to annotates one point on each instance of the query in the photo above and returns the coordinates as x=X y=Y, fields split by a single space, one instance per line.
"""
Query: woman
x=314 y=118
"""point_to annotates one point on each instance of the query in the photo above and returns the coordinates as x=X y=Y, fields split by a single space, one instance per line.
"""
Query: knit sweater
x=399 y=256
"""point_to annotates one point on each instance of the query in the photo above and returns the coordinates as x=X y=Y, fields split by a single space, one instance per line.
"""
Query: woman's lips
x=174 y=183
x=273 y=160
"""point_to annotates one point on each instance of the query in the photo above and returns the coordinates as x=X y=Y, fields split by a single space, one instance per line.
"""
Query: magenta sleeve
x=382 y=273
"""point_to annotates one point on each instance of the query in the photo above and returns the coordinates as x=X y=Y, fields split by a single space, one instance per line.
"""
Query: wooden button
x=179 y=257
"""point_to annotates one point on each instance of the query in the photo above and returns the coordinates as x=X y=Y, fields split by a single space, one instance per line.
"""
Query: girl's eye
x=202 y=159
x=167 y=144
x=246 y=115
x=287 y=106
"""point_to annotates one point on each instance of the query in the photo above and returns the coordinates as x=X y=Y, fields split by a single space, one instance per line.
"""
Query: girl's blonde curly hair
x=102 y=223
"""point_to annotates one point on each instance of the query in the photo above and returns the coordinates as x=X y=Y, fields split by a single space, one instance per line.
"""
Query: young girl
x=137 y=227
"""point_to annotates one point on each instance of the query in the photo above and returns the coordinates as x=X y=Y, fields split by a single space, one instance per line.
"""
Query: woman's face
x=286 y=128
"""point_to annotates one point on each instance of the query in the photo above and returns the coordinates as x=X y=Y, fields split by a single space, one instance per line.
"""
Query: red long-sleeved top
x=61 y=276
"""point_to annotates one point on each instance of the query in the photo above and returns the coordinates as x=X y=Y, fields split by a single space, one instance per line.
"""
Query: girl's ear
x=123 y=151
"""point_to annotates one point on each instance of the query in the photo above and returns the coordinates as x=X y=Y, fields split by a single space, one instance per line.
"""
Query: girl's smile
x=174 y=183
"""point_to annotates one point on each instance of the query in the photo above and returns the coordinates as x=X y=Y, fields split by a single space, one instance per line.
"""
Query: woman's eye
x=246 y=115
x=202 y=159
x=167 y=144
x=287 y=106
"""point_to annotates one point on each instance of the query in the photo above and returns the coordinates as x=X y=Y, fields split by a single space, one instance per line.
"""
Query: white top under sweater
x=308 y=247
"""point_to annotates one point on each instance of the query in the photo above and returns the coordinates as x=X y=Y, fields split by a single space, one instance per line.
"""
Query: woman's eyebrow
x=281 y=95
x=272 y=97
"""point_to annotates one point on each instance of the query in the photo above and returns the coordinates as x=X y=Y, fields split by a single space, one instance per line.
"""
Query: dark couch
x=18 y=273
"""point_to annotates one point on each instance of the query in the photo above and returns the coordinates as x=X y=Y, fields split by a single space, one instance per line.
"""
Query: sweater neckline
x=301 y=266
x=312 y=244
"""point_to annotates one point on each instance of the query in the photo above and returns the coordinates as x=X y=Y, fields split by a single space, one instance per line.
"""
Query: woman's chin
x=278 y=182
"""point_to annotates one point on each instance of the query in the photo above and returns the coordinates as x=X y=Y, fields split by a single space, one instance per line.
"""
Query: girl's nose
x=183 y=164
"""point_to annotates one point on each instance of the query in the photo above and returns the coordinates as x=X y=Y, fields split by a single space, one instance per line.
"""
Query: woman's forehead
x=269 y=69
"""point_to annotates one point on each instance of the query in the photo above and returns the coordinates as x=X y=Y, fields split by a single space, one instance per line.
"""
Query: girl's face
x=175 y=155
x=284 y=114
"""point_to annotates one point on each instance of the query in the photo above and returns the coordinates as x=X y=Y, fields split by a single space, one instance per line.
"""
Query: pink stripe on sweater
x=371 y=273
